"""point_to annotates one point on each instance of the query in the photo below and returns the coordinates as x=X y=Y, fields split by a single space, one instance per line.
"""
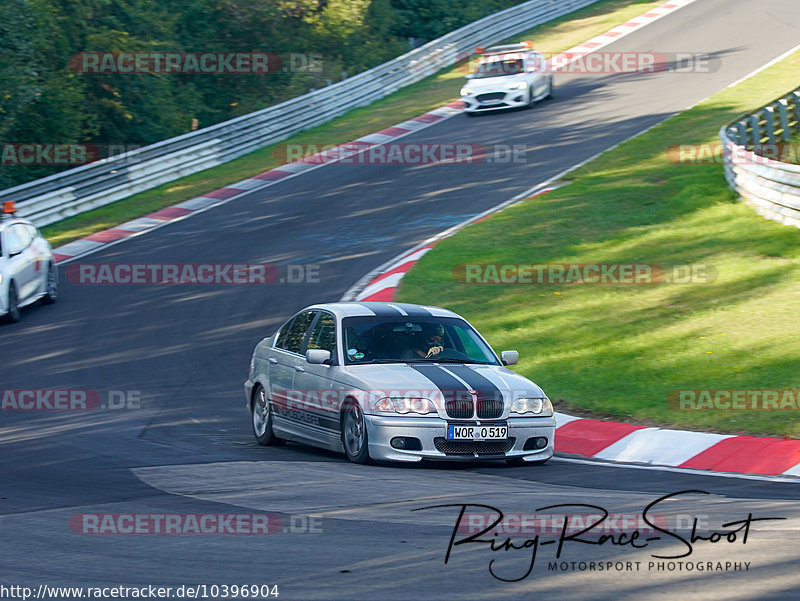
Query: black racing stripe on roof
x=450 y=387
x=382 y=309
x=482 y=385
x=414 y=310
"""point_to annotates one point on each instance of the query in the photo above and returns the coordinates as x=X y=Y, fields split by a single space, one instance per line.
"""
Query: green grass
x=617 y=351
x=410 y=102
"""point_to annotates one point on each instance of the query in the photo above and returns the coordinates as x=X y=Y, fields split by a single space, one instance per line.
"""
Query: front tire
x=14 y=314
x=261 y=414
x=531 y=98
x=354 y=434
x=550 y=89
x=51 y=293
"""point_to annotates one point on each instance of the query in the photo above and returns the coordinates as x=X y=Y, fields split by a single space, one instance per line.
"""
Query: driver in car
x=431 y=345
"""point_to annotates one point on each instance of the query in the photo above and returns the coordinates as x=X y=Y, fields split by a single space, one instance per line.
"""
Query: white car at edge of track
x=27 y=268
x=510 y=76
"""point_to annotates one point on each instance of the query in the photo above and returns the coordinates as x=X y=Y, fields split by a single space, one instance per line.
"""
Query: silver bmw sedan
x=395 y=382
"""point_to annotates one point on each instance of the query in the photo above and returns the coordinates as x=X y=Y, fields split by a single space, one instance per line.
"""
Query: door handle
x=273 y=360
x=299 y=368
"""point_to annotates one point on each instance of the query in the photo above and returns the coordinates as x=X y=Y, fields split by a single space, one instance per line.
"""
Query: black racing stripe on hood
x=382 y=309
x=483 y=386
x=450 y=387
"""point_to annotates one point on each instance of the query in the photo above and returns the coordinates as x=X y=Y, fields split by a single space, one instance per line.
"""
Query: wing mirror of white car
x=509 y=357
x=469 y=76
x=317 y=356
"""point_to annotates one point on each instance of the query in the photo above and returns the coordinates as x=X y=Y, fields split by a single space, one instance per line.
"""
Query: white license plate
x=491 y=102
x=473 y=432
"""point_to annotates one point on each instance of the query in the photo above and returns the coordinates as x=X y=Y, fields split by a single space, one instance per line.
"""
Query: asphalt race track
x=184 y=350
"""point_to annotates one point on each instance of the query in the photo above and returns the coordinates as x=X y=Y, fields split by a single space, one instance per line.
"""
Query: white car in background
x=27 y=269
x=510 y=76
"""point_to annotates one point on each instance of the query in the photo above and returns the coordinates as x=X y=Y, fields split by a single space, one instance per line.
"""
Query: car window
x=323 y=336
x=403 y=338
x=14 y=243
x=281 y=341
x=24 y=234
x=297 y=332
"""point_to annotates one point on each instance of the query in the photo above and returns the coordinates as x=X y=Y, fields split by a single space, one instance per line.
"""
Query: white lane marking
x=774 y=61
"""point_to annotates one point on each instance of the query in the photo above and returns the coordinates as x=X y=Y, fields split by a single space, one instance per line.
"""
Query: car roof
x=6 y=221
x=367 y=309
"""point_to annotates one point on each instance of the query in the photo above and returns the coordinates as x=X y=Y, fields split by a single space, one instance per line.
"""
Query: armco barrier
x=90 y=186
x=771 y=187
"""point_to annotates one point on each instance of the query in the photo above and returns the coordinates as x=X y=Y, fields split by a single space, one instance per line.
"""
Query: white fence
x=90 y=186
x=772 y=187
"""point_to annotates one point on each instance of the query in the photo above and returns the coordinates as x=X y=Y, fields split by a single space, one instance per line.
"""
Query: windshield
x=498 y=66
x=403 y=339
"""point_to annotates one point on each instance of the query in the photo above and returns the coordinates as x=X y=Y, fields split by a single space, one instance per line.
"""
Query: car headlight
x=520 y=85
x=542 y=407
x=466 y=92
x=404 y=405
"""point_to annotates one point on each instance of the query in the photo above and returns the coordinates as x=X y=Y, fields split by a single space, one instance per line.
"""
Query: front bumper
x=382 y=429
x=511 y=99
x=4 y=296
x=248 y=391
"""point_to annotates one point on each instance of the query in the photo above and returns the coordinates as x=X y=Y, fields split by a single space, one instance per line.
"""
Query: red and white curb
x=114 y=235
x=626 y=28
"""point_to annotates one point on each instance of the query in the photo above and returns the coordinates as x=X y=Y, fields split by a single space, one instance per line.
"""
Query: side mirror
x=469 y=76
x=509 y=357
x=317 y=356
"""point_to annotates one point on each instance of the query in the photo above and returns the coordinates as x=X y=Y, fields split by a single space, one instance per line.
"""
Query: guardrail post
x=783 y=115
x=769 y=124
x=741 y=133
x=796 y=97
x=755 y=128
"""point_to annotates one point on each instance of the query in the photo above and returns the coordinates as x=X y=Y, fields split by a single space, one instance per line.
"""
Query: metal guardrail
x=75 y=191
x=770 y=186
